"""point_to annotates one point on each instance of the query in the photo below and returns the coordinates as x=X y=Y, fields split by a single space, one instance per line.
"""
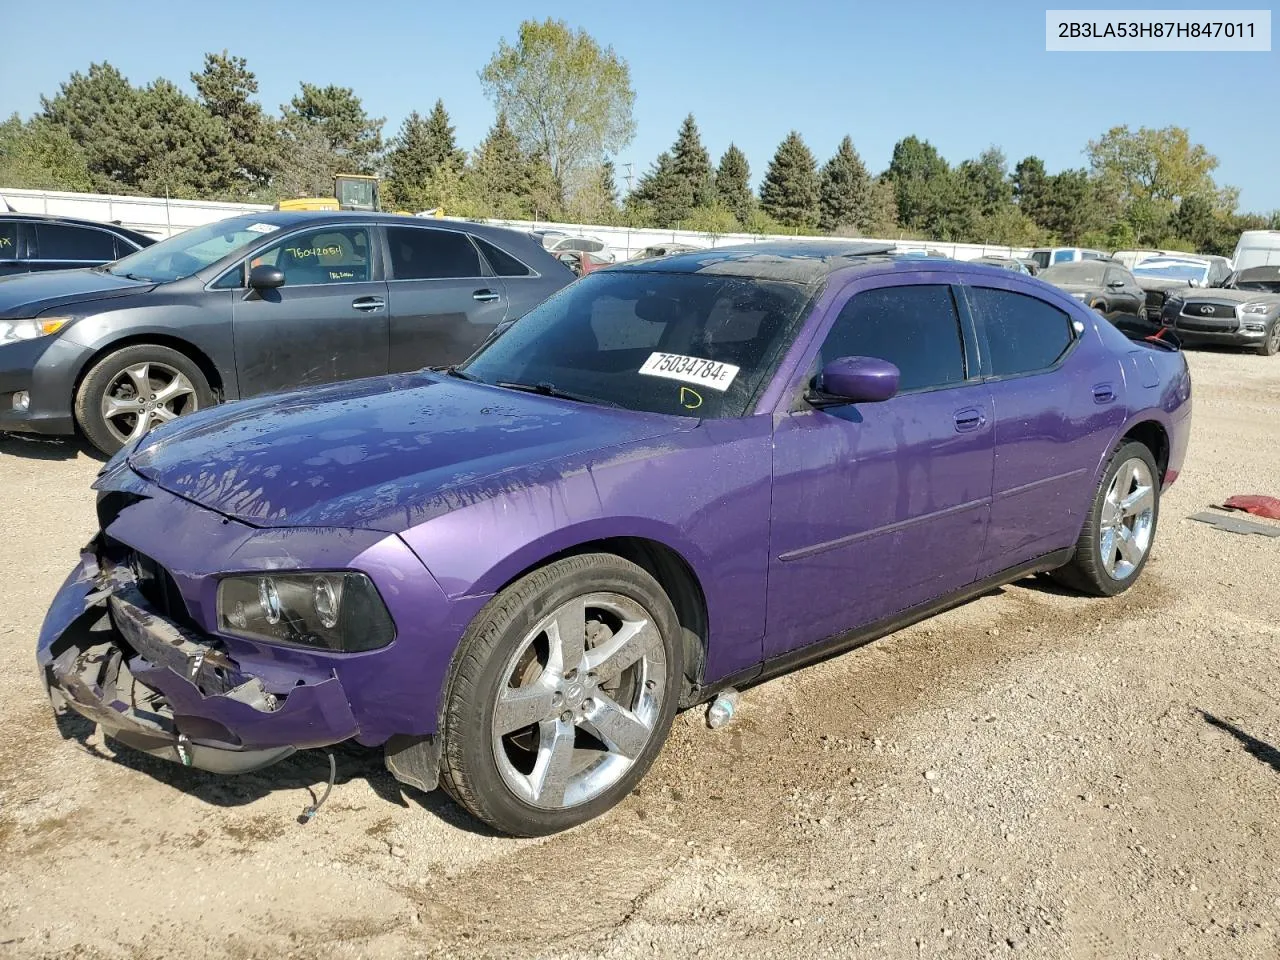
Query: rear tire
x=1120 y=528
x=546 y=724
x=128 y=392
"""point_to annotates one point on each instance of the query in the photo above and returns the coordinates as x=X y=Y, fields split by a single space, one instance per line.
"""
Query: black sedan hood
x=30 y=294
x=1163 y=285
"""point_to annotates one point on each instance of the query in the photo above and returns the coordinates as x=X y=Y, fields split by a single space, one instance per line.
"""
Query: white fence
x=163 y=217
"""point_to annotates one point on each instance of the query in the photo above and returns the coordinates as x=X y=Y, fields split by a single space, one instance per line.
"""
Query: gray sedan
x=250 y=305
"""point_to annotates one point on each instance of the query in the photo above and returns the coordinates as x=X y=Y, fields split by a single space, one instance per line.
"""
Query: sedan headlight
x=13 y=330
x=339 y=611
x=1255 y=308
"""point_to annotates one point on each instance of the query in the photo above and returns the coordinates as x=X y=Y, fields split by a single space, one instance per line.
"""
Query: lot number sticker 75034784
x=705 y=373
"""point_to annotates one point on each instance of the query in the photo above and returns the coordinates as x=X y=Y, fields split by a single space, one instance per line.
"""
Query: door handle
x=368 y=304
x=486 y=296
x=1103 y=393
x=970 y=418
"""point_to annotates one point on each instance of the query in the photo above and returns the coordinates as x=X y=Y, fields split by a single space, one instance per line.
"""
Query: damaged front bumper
x=158 y=687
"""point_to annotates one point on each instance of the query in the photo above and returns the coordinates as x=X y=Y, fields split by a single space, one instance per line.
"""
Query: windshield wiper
x=453 y=371
x=551 y=390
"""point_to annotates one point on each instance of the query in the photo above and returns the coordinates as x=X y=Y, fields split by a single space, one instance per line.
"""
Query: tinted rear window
x=1024 y=334
x=419 y=253
x=55 y=241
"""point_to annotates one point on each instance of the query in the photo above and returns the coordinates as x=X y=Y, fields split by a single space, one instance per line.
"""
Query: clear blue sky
x=963 y=75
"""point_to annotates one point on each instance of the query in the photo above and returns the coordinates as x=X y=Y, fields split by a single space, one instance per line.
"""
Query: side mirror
x=855 y=380
x=265 y=277
x=1115 y=284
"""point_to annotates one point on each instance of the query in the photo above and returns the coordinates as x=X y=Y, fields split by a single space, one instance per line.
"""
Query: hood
x=1078 y=287
x=1164 y=285
x=30 y=294
x=1227 y=295
x=379 y=454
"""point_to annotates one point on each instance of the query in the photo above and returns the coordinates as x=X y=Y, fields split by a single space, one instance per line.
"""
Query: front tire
x=128 y=392
x=561 y=695
x=1120 y=528
x=1270 y=345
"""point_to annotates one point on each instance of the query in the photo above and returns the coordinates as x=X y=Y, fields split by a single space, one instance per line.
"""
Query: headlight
x=1255 y=308
x=13 y=330
x=338 y=611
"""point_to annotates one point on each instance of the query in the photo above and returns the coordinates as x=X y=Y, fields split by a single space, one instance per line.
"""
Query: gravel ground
x=1034 y=773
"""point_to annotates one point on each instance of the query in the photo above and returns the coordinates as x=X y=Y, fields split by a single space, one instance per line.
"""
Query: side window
x=1024 y=334
x=915 y=327
x=420 y=253
x=9 y=240
x=326 y=255
x=56 y=241
x=1063 y=256
x=503 y=263
x=1111 y=276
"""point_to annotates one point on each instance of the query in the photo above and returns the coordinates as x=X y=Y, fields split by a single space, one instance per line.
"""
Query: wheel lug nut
x=567 y=716
x=571 y=675
x=588 y=705
x=557 y=698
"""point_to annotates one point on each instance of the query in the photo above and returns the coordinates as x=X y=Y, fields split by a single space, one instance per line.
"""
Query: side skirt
x=861 y=636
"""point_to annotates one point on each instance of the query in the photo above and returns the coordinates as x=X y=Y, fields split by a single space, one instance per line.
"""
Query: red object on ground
x=1259 y=506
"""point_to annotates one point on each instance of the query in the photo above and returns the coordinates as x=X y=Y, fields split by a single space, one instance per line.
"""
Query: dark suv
x=30 y=241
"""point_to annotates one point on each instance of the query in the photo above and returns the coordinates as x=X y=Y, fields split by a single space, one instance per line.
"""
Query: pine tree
x=442 y=147
x=409 y=164
x=733 y=184
x=609 y=184
x=845 y=190
x=226 y=89
x=790 y=192
x=500 y=174
x=691 y=165
x=658 y=191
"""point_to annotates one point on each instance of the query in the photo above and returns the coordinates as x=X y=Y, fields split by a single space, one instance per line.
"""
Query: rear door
x=62 y=246
x=1058 y=398
x=329 y=320
x=443 y=298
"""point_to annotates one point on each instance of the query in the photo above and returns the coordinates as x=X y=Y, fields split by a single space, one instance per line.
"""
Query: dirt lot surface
x=1034 y=773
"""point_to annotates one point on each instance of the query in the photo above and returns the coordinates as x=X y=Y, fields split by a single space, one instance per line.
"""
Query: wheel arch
x=1154 y=436
x=193 y=353
x=674 y=574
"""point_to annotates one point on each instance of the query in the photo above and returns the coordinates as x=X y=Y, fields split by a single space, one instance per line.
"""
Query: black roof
x=798 y=261
x=137 y=236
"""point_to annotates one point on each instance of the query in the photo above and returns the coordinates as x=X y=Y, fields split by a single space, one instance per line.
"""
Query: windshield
x=674 y=343
x=1172 y=270
x=192 y=250
x=1082 y=272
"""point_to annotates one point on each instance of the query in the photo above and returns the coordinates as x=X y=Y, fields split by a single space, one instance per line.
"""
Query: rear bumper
x=156 y=687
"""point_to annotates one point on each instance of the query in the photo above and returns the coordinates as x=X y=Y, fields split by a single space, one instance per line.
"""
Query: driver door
x=878 y=507
x=329 y=320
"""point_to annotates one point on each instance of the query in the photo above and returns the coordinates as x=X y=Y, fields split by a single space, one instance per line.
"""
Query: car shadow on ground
x=1259 y=749
x=307 y=770
x=36 y=447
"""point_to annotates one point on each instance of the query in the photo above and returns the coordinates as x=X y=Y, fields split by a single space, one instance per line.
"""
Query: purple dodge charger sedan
x=673 y=476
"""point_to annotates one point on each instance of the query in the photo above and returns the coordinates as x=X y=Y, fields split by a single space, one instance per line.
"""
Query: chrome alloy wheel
x=579 y=700
x=1127 y=519
x=143 y=395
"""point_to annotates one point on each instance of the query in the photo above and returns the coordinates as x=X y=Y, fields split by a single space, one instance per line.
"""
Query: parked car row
x=664 y=479
x=30 y=242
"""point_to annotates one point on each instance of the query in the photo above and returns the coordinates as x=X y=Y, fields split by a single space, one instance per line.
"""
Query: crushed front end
x=160 y=687
x=139 y=639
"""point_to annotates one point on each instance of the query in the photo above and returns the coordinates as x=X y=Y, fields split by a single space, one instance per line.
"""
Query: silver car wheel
x=1127 y=519
x=143 y=395
x=579 y=700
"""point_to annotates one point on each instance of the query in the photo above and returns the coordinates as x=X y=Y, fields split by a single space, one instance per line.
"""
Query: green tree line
x=563 y=106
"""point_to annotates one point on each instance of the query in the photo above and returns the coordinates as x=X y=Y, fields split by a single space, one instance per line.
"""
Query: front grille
x=154 y=582
x=1207 y=326
x=1194 y=310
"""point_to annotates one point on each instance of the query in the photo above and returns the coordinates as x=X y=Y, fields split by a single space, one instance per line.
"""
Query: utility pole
x=628 y=177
